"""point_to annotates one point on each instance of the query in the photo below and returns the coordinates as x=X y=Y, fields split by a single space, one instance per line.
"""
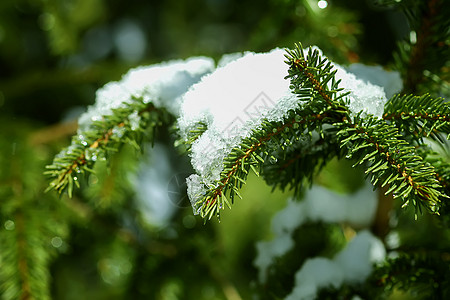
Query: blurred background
x=129 y=232
x=55 y=54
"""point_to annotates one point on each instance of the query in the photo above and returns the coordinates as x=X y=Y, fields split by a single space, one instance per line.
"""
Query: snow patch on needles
x=225 y=97
x=162 y=84
x=369 y=87
x=232 y=102
x=364 y=96
x=319 y=205
x=245 y=89
x=389 y=80
x=195 y=190
x=352 y=265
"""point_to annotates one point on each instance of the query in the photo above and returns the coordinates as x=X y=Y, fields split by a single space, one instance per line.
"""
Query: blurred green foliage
x=54 y=54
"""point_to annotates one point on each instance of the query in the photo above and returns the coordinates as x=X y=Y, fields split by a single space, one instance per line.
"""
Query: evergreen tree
x=357 y=154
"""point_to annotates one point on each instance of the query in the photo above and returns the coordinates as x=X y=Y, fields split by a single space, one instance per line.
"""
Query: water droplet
x=118 y=131
x=82 y=140
x=91 y=154
x=10 y=225
x=57 y=242
x=93 y=179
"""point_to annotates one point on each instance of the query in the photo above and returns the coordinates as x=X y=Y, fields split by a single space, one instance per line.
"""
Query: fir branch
x=393 y=162
x=314 y=75
x=192 y=136
x=440 y=163
x=111 y=186
x=312 y=80
x=423 y=45
x=26 y=256
x=29 y=223
x=422 y=274
x=23 y=267
x=127 y=113
x=420 y=116
x=443 y=173
x=251 y=154
x=102 y=138
x=304 y=160
x=420 y=57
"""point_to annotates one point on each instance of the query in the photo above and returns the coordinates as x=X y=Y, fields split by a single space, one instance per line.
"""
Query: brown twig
x=52 y=133
x=414 y=74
